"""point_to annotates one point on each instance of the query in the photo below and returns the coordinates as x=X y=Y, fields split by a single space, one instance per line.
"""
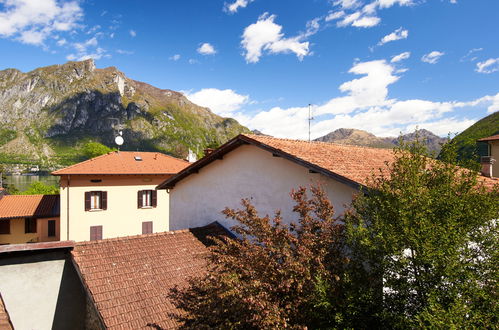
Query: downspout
x=67 y=208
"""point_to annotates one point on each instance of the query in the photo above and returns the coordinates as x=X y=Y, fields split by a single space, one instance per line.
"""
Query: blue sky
x=385 y=66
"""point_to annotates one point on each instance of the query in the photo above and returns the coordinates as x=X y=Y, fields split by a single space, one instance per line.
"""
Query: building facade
x=114 y=195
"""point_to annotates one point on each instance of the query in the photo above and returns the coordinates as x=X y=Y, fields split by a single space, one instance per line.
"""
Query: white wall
x=122 y=217
x=246 y=172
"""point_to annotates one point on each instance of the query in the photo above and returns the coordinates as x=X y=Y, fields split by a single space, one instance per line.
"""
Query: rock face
x=52 y=110
x=362 y=138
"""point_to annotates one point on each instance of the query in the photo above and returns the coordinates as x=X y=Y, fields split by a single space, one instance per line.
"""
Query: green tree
x=272 y=275
x=424 y=244
x=40 y=188
x=94 y=149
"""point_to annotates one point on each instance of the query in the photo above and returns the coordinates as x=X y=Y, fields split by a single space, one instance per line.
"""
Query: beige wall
x=246 y=172
x=494 y=152
x=122 y=217
x=17 y=235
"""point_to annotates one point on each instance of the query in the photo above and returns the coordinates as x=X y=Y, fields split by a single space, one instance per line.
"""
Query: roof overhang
x=245 y=140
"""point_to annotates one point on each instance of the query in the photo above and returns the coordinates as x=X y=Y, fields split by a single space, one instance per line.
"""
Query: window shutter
x=87 y=200
x=147 y=227
x=154 y=199
x=139 y=199
x=95 y=233
x=104 y=200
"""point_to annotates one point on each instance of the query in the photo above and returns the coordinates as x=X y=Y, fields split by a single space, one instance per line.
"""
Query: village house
x=114 y=195
x=266 y=169
x=115 y=283
x=29 y=218
x=490 y=156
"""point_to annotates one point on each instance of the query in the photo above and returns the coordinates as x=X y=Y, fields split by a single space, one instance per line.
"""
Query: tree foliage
x=94 y=149
x=40 y=188
x=427 y=232
x=272 y=275
x=418 y=248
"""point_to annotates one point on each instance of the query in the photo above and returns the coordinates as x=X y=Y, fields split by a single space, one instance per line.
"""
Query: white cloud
x=175 y=57
x=367 y=106
x=469 y=56
x=401 y=57
x=124 y=52
x=222 y=102
x=133 y=33
x=488 y=66
x=334 y=15
x=206 y=49
x=61 y=42
x=96 y=55
x=234 y=6
x=32 y=21
x=432 y=57
x=398 y=34
x=193 y=61
x=265 y=35
x=355 y=13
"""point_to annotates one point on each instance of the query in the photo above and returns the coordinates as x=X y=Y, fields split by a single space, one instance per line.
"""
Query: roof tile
x=125 y=163
x=130 y=277
x=21 y=206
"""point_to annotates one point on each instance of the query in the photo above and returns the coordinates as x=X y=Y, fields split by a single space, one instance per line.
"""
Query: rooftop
x=351 y=165
x=490 y=138
x=130 y=278
x=126 y=163
x=26 y=206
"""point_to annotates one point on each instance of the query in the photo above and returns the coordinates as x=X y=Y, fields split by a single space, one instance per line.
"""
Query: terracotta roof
x=125 y=162
x=490 y=138
x=130 y=278
x=23 y=206
x=4 y=317
x=352 y=165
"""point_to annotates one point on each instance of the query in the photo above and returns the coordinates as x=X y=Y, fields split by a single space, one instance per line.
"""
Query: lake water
x=22 y=182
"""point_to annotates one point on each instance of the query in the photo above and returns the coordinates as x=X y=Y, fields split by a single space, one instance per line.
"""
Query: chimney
x=487 y=163
x=208 y=151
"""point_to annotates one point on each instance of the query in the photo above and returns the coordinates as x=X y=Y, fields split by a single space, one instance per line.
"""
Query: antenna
x=310 y=118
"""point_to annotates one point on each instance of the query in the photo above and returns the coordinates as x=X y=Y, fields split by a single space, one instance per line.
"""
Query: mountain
x=362 y=138
x=48 y=114
x=466 y=144
x=355 y=137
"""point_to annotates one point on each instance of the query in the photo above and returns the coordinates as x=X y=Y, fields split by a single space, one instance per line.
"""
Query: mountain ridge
x=47 y=114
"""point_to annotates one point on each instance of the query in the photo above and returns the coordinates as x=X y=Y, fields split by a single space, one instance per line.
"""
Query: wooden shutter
x=147 y=227
x=104 y=200
x=139 y=199
x=87 y=200
x=95 y=233
x=154 y=198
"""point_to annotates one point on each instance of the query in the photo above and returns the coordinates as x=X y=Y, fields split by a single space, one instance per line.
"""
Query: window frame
x=96 y=197
x=143 y=202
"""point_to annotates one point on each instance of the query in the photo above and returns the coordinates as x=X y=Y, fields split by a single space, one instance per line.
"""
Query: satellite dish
x=119 y=140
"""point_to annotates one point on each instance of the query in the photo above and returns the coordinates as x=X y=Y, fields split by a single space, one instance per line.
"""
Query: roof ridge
x=252 y=136
x=132 y=237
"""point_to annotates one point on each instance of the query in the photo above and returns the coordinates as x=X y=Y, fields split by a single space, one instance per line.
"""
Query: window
x=95 y=233
x=147 y=227
x=5 y=227
x=146 y=198
x=95 y=200
x=29 y=225
x=51 y=228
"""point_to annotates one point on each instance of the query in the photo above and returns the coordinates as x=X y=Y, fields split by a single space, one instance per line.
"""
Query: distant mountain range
x=362 y=138
x=48 y=114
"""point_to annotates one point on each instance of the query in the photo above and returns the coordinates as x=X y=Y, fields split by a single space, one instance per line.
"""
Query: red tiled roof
x=4 y=317
x=352 y=165
x=490 y=138
x=124 y=162
x=23 y=206
x=130 y=278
